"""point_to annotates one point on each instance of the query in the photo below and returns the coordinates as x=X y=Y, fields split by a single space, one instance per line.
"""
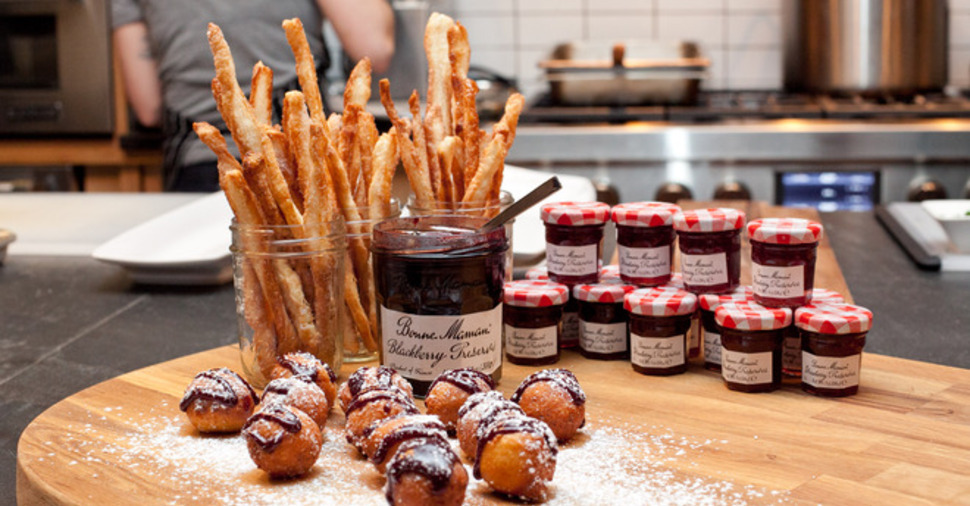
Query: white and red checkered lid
x=645 y=214
x=535 y=293
x=742 y=315
x=718 y=219
x=710 y=301
x=785 y=231
x=539 y=273
x=575 y=214
x=660 y=302
x=826 y=296
x=607 y=292
x=610 y=273
x=833 y=318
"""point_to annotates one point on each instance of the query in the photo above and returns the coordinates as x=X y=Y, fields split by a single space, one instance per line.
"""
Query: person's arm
x=139 y=71
x=365 y=28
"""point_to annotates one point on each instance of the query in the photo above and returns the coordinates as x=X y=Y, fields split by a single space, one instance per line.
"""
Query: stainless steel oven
x=55 y=68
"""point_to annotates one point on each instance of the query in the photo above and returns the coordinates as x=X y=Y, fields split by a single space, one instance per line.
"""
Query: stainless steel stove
x=765 y=142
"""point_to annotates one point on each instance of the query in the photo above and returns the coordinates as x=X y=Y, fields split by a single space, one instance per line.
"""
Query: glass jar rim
x=504 y=199
x=282 y=237
x=452 y=235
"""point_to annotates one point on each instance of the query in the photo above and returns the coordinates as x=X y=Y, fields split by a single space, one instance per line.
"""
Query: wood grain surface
x=904 y=439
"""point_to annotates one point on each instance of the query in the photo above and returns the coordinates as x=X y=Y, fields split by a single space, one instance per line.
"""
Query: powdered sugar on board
x=608 y=463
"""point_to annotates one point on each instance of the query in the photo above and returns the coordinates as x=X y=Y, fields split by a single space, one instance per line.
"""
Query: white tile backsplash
x=554 y=6
x=759 y=29
x=464 y=8
x=596 y=7
x=501 y=61
x=960 y=67
x=960 y=28
x=490 y=31
x=547 y=30
x=705 y=29
x=754 y=68
x=616 y=27
x=754 y=5
x=664 y=6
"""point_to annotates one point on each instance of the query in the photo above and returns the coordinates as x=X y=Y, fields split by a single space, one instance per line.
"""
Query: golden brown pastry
x=383 y=438
x=517 y=456
x=480 y=410
x=372 y=378
x=304 y=364
x=283 y=441
x=426 y=472
x=451 y=389
x=218 y=400
x=373 y=406
x=555 y=397
x=301 y=393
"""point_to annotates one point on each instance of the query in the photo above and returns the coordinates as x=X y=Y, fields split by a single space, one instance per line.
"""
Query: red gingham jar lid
x=537 y=273
x=833 y=318
x=645 y=214
x=575 y=214
x=785 y=231
x=610 y=273
x=710 y=301
x=602 y=292
x=535 y=293
x=824 y=295
x=709 y=220
x=659 y=302
x=751 y=316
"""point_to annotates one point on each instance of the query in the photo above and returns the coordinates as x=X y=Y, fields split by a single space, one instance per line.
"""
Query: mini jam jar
x=659 y=324
x=708 y=303
x=783 y=254
x=791 y=353
x=833 y=336
x=569 y=334
x=645 y=241
x=532 y=318
x=603 y=332
x=751 y=337
x=710 y=248
x=574 y=240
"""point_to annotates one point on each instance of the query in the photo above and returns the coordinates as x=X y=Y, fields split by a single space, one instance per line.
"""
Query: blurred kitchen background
x=867 y=112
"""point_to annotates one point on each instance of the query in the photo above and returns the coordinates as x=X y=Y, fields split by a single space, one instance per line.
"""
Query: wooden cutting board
x=904 y=439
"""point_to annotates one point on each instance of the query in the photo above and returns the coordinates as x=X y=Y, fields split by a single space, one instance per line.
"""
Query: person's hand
x=365 y=28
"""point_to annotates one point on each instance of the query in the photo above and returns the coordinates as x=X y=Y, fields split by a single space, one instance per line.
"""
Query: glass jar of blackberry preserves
x=783 y=252
x=603 y=332
x=439 y=283
x=659 y=322
x=645 y=241
x=710 y=248
x=532 y=321
x=833 y=336
x=574 y=240
x=751 y=337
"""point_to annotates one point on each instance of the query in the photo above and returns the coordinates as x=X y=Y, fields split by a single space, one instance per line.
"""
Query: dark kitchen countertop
x=67 y=323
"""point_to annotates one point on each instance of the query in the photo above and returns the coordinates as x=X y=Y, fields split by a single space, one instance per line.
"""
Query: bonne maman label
x=421 y=347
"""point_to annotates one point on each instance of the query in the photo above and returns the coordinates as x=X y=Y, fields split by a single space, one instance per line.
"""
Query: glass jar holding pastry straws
x=289 y=294
x=360 y=334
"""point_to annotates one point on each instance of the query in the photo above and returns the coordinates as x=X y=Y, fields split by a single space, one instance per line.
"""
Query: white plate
x=528 y=232
x=188 y=245
x=952 y=214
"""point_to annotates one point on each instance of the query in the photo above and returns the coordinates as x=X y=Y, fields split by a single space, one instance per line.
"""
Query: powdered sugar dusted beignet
x=299 y=392
x=478 y=411
x=517 y=456
x=366 y=379
x=283 y=441
x=426 y=472
x=303 y=364
x=451 y=389
x=555 y=397
x=218 y=400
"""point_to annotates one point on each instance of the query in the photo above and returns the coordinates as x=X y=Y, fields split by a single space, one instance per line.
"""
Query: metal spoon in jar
x=552 y=185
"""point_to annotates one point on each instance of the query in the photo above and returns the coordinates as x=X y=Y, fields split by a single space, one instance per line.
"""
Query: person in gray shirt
x=167 y=67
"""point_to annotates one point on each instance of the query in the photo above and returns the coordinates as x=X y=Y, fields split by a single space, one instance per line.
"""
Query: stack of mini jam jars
x=644 y=311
